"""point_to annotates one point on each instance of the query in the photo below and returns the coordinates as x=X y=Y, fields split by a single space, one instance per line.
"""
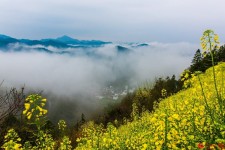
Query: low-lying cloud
x=71 y=82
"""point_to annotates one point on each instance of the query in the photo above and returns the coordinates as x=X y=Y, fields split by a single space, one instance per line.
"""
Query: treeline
x=144 y=98
x=203 y=60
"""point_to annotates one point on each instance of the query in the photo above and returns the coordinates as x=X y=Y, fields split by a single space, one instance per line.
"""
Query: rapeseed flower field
x=192 y=119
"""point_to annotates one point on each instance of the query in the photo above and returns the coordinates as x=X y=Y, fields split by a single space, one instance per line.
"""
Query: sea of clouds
x=71 y=82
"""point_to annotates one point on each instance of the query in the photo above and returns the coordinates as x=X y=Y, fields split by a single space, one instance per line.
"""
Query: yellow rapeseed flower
x=39 y=108
x=17 y=146
x=144 y=147
x=27 y=106
x=45 y=111
x=176 y=116
x=44 y=100
x=24 y=112
x=29 y=116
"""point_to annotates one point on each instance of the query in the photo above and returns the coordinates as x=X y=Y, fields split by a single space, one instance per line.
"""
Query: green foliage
x=34 y=110
x=65 y=144
x=134 y=113
x=83 y=120
x=209 y=40
x=41 y=139
x=62 y=125
x=211 y=55
x=11 y=140
x=197 y=62
x=44 y=141
x=220 y=55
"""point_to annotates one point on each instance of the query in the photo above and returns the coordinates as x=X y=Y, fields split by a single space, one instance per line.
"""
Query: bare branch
x=11 y=102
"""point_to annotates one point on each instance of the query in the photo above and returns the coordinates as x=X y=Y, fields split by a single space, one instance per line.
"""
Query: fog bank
x=72 y=82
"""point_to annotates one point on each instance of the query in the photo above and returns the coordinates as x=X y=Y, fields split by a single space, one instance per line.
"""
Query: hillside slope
x=191 y=119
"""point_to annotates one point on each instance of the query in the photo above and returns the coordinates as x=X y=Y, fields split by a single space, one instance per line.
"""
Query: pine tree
x=221 y=53
x=197 y=57
x=197 y=62
x=83 y=120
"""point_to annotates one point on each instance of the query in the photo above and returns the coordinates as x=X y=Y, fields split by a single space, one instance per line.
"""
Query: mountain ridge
x=64 y=45
x=59 y=42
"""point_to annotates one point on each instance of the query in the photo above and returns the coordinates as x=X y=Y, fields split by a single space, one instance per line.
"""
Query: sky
x=166 y=21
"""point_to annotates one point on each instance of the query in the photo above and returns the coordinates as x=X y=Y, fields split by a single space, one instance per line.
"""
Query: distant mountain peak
x=66 y=38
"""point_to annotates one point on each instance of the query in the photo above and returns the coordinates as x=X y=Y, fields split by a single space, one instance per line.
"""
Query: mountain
x=122 y=49
x=5 y=40
x=142 y=45
x=60 y=45
x=48 y=42
x=68 y=40
x=60 y=42
x=137 y=45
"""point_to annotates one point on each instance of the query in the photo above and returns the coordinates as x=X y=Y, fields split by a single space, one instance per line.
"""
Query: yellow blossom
x=27 y=106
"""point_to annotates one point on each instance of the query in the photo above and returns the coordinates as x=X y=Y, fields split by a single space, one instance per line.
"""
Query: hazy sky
x=113 y=20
